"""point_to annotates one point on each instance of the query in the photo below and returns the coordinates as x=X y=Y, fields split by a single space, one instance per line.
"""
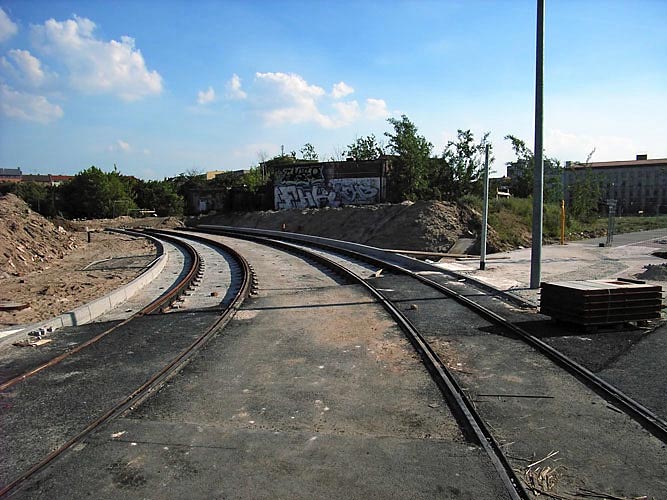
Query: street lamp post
x=538 y=175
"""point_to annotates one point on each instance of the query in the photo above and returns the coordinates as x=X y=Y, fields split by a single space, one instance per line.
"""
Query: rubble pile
x=28 y=241
x=654 y=272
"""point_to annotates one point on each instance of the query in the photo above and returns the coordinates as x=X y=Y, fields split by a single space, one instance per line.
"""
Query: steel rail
x=157 y=380
x=471 y=423
x=161 y=301
x=653 y=423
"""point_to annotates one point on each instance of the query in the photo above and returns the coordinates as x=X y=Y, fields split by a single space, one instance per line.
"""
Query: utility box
x=601 y=302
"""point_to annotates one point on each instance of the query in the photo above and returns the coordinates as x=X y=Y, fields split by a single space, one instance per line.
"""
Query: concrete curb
x=88 y=312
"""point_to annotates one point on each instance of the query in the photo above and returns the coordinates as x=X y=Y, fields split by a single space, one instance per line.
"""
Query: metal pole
x=562 y=222
x=611 y=204
x=538 y=176
x=485 y=212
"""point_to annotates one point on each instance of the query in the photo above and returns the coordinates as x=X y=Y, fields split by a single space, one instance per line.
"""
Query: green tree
x=254 y=180
x=190 y=179
x=160 y=196
x=464 y=164
x=365 y=148
x=95 y=194
x=409 y=174
x=308 y=152
x=521 y=173
x=586 y=192
x=34 y=194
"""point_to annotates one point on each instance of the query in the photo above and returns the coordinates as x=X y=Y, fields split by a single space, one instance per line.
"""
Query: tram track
x=146 y=338
x=404 y=295
x=647 y=418
x=462 y=405
x=470 y=421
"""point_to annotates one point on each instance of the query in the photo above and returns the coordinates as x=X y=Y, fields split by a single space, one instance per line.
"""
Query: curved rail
x=159 y=378
x=158 y=303
x=470 y=421
x=640 y=413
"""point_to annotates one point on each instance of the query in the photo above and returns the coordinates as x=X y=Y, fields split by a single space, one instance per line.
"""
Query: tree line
x=416 y=174
x=93 y=193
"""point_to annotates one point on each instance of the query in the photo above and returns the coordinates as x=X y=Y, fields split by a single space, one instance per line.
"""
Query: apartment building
x=639 y=186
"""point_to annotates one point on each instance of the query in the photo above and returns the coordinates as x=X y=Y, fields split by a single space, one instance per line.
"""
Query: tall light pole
x=485 y=212
x=538 y=175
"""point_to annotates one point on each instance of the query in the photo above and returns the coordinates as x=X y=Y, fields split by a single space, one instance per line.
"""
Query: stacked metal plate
x=601 y=302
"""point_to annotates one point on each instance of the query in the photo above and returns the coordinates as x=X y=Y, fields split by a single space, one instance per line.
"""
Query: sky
x=159 y=88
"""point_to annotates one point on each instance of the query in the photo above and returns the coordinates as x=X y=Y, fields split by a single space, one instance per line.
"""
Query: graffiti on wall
x=335 y=193
x=300 y=174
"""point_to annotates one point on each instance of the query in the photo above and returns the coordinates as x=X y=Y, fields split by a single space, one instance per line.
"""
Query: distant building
x=47 y=179
x=639 y=186
x=210 y=175
x=57 y=180
x=10 y=175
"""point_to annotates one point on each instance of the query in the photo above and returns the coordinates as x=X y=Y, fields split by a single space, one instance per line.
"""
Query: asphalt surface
x=44 y=411
x=629 y=357
x=313 y=392
x=310 y=392
x=533 y=406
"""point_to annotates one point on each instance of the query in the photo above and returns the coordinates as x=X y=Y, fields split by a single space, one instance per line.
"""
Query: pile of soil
x=654 y=272
x=431 y=226
x=44 y=266
x=28 y=241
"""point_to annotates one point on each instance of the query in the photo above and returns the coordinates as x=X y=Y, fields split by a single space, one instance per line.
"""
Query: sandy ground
x=77 y=278
x=581 y=260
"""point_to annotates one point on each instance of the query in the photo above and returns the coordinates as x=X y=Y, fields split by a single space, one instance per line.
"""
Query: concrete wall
x=330 y=184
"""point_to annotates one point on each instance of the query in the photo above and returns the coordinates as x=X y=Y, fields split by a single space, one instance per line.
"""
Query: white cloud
x=376 y=109
x=96 y=66
x=24 y=67
x=569 y=146
x=234 y=90
x=341 y=89
x=206 y=96
x=24 y=106
x=347 y=111
x=288 y=98
x=7 y=27
x=120 y=146
x=296 y=99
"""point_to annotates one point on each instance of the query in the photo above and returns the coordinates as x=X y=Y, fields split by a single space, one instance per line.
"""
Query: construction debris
x=29 y=342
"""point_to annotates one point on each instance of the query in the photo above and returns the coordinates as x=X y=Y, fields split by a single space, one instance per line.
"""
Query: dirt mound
x=654 y=272
x=27 y=240
x=431 y=226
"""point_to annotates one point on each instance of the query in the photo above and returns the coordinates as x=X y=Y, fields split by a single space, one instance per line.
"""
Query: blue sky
x=164 y=87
